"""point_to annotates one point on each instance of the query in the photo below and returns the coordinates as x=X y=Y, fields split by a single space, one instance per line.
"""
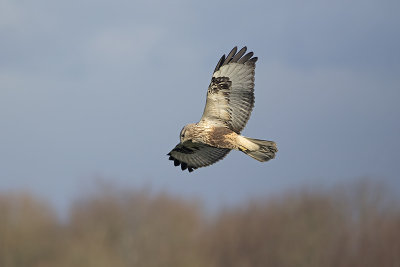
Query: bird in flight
x=230 y=100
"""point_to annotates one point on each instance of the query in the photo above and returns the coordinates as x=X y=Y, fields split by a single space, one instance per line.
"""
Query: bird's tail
x=261 y=150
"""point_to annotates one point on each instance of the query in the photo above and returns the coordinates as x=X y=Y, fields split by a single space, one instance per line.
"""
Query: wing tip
x=184 y=165
x=253 y=59
x=236 y=56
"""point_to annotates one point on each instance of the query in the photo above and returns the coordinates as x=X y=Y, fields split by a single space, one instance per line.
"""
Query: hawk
x=230 y=100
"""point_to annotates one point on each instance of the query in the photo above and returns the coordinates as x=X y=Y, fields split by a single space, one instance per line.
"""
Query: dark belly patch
x=222 y=137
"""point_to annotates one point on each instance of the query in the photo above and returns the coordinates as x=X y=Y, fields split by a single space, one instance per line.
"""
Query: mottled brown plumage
x=230 y=100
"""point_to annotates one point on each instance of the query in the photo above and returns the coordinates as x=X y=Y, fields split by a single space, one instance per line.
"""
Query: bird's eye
x=182 y=135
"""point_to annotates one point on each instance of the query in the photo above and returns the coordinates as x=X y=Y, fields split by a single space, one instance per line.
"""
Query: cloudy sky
x=93 y=89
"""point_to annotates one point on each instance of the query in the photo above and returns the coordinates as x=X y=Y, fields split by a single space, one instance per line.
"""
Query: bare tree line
x=356 y=225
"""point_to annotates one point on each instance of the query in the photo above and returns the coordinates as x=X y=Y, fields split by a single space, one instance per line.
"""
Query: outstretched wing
x=230 y=97
x=195 y=155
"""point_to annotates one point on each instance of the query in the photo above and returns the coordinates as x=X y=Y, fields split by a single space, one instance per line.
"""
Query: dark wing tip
x=253 y=59
x=245 y=58
x=236 y=57
x=220 y=62
x=239 y=54
x=184 y=165
x=230 y=56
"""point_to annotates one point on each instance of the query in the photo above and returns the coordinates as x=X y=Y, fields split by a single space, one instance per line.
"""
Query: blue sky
x=94 y=89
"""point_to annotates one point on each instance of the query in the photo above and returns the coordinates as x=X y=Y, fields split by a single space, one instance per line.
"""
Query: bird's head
x=187 y=132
